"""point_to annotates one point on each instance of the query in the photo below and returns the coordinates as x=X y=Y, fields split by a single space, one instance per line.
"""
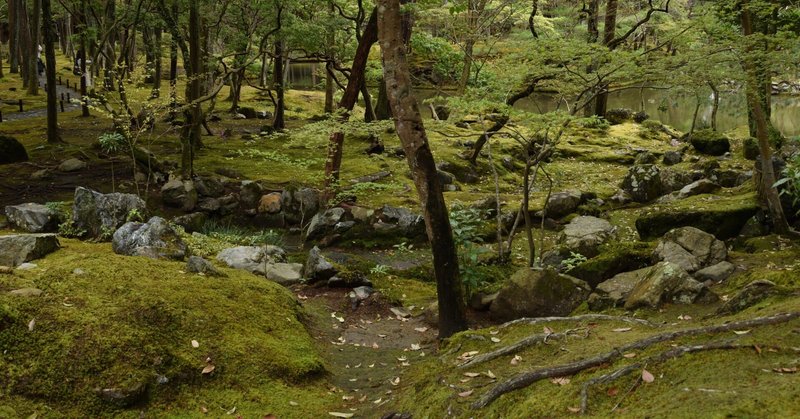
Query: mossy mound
x=108 y=322
x=11 y=150
x=613 y=259
x=722 y=216
x=710 y=142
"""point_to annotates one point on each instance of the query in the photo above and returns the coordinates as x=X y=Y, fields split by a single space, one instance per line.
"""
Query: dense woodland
x=399 y=208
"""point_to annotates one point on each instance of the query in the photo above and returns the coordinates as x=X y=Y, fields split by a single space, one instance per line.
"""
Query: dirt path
x=367 y=347
x=42 y=112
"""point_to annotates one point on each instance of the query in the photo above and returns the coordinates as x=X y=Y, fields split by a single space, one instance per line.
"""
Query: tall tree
x=50 y=70
x=34 y=53
x=411 y=131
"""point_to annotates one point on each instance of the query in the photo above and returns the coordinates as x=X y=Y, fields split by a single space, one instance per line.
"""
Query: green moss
x=613 y=259
x=126 y=321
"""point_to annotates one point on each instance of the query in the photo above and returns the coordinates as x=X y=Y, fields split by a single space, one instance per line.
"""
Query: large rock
x=702 y=186
x=399 y=222
x=284 y=273
x=614 y=292
x=691 y=248
x=191 y=222
x=209 y=186
x=325 y=223
x=154 y=239
x=750 y=295
x=722 y=216
x=179 y=193
x=317 y=267
x=614 y=259
x=715 y=273
x=299 y=205
x=270 y=203
x=98 y=214
x=710 y=142
x=71 y=165
x=665 y=282
x=11 y=150
x=33 y=218
x=543 y=293
x=585 y=234
x=17 y=249
x=643 y=183
x=563 y=203
x=254 y=259
x=250 y=194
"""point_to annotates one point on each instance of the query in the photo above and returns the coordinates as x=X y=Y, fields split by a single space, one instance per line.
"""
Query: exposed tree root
x=516 y=347
x=537 y=320
x=662 y=357
x=527 y=378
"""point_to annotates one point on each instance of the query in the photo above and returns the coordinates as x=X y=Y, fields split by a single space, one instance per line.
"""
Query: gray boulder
x=325 y=223
x=664 y=282
x=198 y=265
x=672 y=158
x=716 y=273
x=705 y=249
x=191 y=222
x=563 y=203
x=317 y=267
x=209 y=187
x=254 y=259
x=17 y=249
x=399 y=222
x=702 y=186
x=585 y=234
x=98 y=214
x=531 y=293
x=71 y=165
x=614 y=292
x=284 y=273
x=209 y=205
x=250 y=194
x=33 y=218
x=299 y=205
x=154 y=239
x=643 y=183
x=750 y=295
x=179 y=193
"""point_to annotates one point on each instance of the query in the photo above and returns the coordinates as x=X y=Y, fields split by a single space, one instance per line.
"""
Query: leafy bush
x=239 y=235
x=618 y=116
x=466 y=223
x=789 y=184
x=445 y=60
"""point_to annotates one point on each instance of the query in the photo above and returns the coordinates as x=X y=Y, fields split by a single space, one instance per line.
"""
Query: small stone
x=26 y=292
x=196 y=264
x=270 y=203
x=716 y=273
x=71 y=165
x=27 y=266
x=78 y=271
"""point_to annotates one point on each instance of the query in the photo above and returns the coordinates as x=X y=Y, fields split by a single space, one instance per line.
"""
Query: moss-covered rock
x=750 y=149
x=532 y=293
x=707 y=141
x=11 y=150
x=722 y=216
x=614 y=258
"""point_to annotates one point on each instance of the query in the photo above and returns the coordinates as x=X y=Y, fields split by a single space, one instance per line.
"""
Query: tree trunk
x=82 y=56
x=714 y=105
x=348 y=101
x=330 y=106
x=13 y=41
x=766 y=191
x=592 y=19
x=609 y=33
x=34 y=57
x=383 y=111
x=280 y=106
x=423 y=168
x=466 y=72
x=369 y=111
x=191 y=129
x=157 y=64
x=50 y=70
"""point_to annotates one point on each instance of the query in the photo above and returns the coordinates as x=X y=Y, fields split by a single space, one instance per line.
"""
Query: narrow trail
x=42 y=112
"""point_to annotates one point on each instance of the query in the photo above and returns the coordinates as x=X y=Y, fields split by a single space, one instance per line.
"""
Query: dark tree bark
x=13 y=41
x=336 y=141
x=531 y=23
x=50 y=70
x=715 y=105
x=190 y=136
x=609 y=33
x=279 y=122
x=369 y=110
x=157 y=63
x=592 y=18
x=411 y=131
x=383 y=111
x=82 y=55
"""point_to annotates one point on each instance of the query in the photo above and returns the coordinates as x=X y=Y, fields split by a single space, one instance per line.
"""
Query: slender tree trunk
x=157 y=64
x=609 y=32
x=383 y=111
x=423 y=168
x=83 y=55
x=191 y=130
x=369 y=111
x=330 y=106
x=466 y=71
x=279 y=122
x=13 y=42
x=348 y=101
x=50 y=70
x=714 y=105
x=592 y=20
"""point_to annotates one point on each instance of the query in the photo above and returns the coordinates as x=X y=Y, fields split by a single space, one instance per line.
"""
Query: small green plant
x=111 y=142
x=241 y=236
x=69 y=229
x=573 y=261
x=789 y=184
x=404 y=247
x=135 y=215
x=465 y=223
x=379 y=270
x=106 y=233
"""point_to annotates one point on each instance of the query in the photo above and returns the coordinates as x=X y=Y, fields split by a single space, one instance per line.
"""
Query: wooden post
x=62 y=96
x=1 y=116
x=69 y=99
x=20 y=105
x=59 y=80
x=62 y=105
x=67 y=83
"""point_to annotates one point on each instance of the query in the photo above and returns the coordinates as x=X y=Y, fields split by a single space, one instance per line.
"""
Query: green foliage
x=379 y=270
x=111 y=142
x=573 y=261
x=789 y=184
x=466 y=226
x=437 y=53
x=228 y=232
x=135 y=215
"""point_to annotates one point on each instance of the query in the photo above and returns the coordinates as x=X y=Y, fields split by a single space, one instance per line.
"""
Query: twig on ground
x=516 y=347
x=536 y=320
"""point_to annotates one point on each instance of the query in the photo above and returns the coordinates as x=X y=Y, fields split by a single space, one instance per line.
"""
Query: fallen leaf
x=647 y=377
x=232 y=411
x=421 y=329
x=622 y=329
x=471 y=374
x=490 y=374
x=516 y=360
x=395 y=381
x=195 y=344
x=340 y=415
x=203 y=409
x=612 y=391
x=402 y=359
x=757 y=348
x=348 y=398
x=466 y=393
x=363 y=398
x=629 y=355
x=684 y=317
x=378 y=401
x=293 y=403
x=415 y=347
x=494 y=332
x=562 y=381
x=547 y=330
x=270 y=416
x=785 y=370
x=741 y=332
x=31 y=324
x=495 y=340
x=375 y=345
x=465 y=380
x=574 y=409
x=208 y=369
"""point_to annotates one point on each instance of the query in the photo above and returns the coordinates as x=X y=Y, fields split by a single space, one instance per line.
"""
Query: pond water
x=666 y=106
